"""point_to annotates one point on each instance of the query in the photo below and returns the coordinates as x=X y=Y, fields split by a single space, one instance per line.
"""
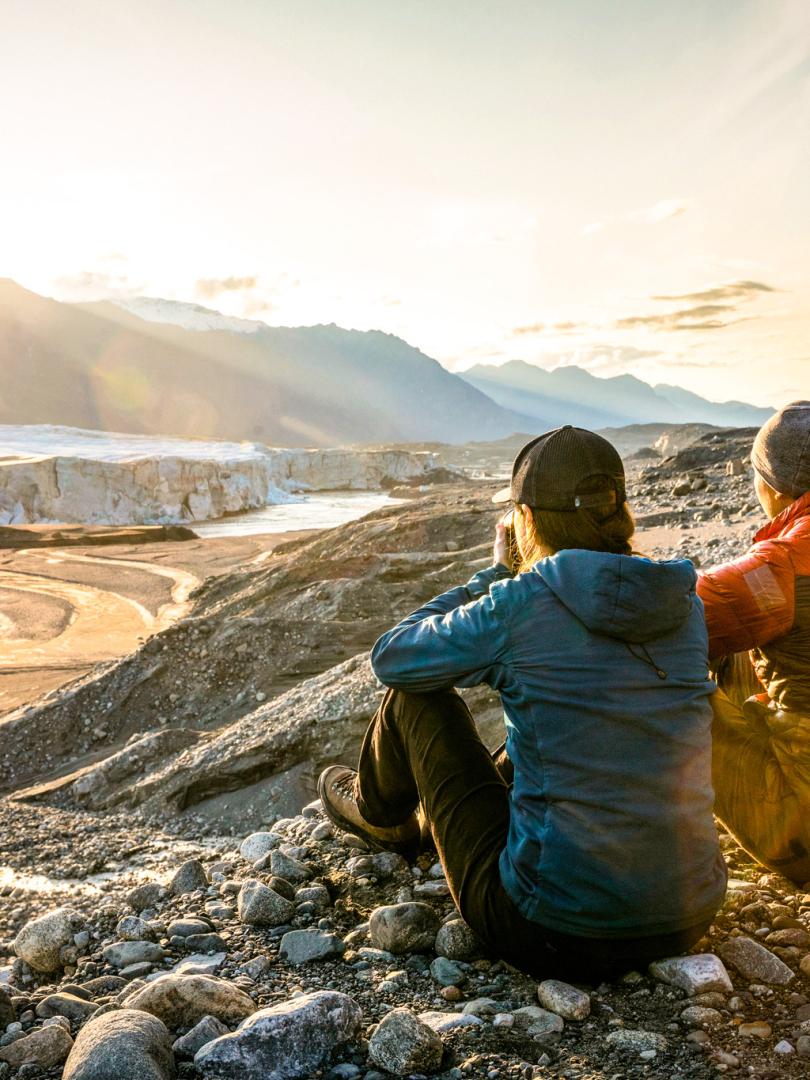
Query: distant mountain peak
x=189 y=316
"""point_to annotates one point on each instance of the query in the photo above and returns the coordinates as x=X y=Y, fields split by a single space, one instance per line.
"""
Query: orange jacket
x=761 y=602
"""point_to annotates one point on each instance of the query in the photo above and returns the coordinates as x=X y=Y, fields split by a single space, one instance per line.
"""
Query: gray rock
x=302 y=946
x=450 y=1021
x=40 y=941
x=285 y=1041
x=290 y=869
x=700 y=1014
x=144 y=896
x=564 y=1000
x=314 y=894
x=282 y=887
x=456 y=941
x=187 y=927
x=188 y=878
x=205 y=943
x=258 y=844
x=208 y=1029
x=63 y=1004
x=754 y=962
x=485 y=1006
x=46 y=1047
x=123 y=953
x=8 y=1013
x=447 y=972
x=401 y=928
x=103 y=985
x=124 y=1045
x=199 y=964
x=697 y=974
x=260 y=906
x=639 y=1041
x=134 y=928
x=181 y=1001
x=137 y=970
x=545 y=1026
x=402 y=1044
x=387 y=863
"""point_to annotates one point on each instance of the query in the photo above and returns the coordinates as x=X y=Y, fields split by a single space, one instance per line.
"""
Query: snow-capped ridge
x=188 y=316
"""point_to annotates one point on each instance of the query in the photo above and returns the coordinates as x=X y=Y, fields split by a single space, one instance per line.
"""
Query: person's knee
x=410 y=708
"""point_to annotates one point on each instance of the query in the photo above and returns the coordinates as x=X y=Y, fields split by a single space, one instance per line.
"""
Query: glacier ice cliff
x=57 y=474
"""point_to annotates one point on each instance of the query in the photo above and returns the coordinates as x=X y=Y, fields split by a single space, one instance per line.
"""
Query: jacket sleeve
x=458 y=639
x=750 y=601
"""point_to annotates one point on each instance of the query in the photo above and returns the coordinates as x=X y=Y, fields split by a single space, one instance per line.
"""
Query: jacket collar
x=789 y=515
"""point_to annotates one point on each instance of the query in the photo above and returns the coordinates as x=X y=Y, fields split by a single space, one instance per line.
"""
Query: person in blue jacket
x=592 y=848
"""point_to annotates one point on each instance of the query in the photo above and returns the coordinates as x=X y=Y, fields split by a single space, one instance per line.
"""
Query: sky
x=624 y=186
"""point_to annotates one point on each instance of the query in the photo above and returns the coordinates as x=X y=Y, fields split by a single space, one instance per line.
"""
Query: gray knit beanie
x=781 y=453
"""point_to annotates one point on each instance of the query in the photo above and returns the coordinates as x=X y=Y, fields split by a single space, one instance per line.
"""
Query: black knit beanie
x=781 y=453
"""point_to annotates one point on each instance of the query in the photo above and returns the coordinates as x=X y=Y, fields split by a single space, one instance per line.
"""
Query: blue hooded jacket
x=601 y=664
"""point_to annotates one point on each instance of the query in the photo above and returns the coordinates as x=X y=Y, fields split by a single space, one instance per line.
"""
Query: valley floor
x=64 y=609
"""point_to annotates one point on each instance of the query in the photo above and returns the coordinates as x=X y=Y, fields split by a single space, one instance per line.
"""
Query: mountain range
x=572 y=395
x=154 y=366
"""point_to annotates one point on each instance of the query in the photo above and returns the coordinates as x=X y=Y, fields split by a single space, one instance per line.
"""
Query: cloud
x=730 y=290
x=208 y=288
x=704 y=312
x=531 y=328
x=647 y=215
x=548 y=328
x=97 y=285
x=660 y=211
x=699 y=317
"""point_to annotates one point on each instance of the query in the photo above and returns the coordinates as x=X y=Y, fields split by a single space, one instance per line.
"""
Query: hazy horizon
x=624 y=188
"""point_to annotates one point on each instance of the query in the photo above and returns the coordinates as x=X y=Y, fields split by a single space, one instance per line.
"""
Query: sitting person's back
x=603 y=677
x=592 y=847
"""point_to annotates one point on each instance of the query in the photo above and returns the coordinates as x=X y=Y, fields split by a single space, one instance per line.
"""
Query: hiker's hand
x=502 y=551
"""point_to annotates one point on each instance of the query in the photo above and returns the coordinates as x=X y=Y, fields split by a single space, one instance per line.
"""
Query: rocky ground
x=156 y=806
x=342 y=963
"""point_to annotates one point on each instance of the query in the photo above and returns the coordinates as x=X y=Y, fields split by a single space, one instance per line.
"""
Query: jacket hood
x=622 y=596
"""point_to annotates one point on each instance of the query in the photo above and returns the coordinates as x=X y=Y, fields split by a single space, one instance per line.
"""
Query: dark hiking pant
x=761 y=772
x=424 y=748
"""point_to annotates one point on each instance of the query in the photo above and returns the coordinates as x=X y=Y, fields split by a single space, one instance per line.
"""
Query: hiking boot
x=338 y=792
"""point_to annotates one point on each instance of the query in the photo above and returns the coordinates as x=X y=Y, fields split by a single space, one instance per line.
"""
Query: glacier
x=51 y=474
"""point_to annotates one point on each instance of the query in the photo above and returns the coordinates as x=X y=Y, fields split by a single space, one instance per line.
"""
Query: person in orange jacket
x=758 y=617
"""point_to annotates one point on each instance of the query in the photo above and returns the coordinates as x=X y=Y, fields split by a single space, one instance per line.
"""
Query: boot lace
x=344 y=785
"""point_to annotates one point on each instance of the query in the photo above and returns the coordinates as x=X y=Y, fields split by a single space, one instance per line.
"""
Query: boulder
x=63 y=1004
x=700 y=973
x=456 y=941
x=181 y=1001
x=123 y=953
x=188 y=878
x=134 y=928
x=285 y=1041
x=40 y=941
x=290 y=869
x=257 y=845
x=401 y=928
x=46 y=1046
x=754 y=962
x=302 y=946
x=145 y=896
x=121 y=1045
x=208 y=1029
x=564 y=1000
x=402 y=1044
x=260 y=906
